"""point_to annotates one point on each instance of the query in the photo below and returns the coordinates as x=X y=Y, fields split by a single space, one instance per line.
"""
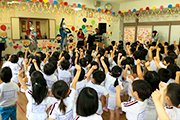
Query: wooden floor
x=22 y=102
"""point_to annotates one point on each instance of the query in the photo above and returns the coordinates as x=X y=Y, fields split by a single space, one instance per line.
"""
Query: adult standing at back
x=80 y=37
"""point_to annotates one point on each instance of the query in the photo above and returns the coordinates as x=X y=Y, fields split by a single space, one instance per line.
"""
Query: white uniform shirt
x=162 y=65
x=101 y=90
x=130 y=85
x=109 y=85
x=20 y=61
x=173 y=112
x=8 y=94
x=38 y=112
x=50 y=79
x=134 y=109
x=153 y=66
x=64 y=75
x=92 y=117
x=6 y=64
x=15 y=69
x=55 y=112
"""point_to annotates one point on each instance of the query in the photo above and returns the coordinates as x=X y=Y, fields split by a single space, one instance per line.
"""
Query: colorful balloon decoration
x=84 y=20
x=3 y=27
x=147 y=8
x=170 y=6
x=79 y=5
x=83 y=26
x=93 y=22
x=134 y=10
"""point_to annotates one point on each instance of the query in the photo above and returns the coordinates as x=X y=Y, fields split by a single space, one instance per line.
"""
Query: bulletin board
x=144 y=33
x=129 y=34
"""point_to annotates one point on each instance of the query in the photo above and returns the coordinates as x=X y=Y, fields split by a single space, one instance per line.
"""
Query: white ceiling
x=118 y=1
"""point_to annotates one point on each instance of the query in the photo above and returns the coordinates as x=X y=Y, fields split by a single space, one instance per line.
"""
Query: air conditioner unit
x=97 y=3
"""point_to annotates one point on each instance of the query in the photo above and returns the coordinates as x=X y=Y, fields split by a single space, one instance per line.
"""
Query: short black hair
x=20 y=54
x=164 y=74
x=172 y=54
x=171 y=47
x=137 y=55
x=173 y=68
x=82 y=74
x=113 y=42
x=66 y=56
x=173 y=92
x=6 y=74
x=89 y=58
x=169 y=59
x=6 y=57
x=65 y=64
x=56 y=54
x=99 y=76
x=87 y=102
x=83 y=62
x=14 y=59
x=52 y=59
x=143 y=88
x=49 y=69
x=95 y=63
x=134 y=69
x=153 y=79
x=128 y=43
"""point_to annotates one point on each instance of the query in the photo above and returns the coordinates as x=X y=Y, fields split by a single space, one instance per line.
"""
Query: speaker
x=102 y=28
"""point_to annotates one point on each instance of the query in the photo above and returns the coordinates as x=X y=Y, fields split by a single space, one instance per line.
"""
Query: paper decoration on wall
x=93 y=22
x=84 y=20
x=85 y=30
x=49 y=46
x=99 y=19
x=73 y=28
x=44 y=44
x=89 y=28
x=83 y=26
x=129 y=34
x=57 y=28
x=3 y=27
x=3 y=36
x=26 y=44
x=144 y=34
x=10 y=44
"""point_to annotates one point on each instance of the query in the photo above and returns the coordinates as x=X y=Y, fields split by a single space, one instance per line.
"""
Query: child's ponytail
x=60 y=91
x=62 y=107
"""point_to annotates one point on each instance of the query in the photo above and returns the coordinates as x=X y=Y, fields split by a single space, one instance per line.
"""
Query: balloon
x=129 y=10
x=119 y=12
x=84 y=20
x=74 y=4
x=79 y=5
x=57 y=28
x=147 y=8
x=3 y=27
x=34 y=0
x=35 y=34
x=40 y=0
x=177 y=5
x=154 y=8
x=93 y=22
x=73 y=28
x=105 y=11
x=55 y=2
x=140 y=9
x=113 y=13
x=170 y=6
x=45 y=1
x=65 y=3
x=61 y=2
x=50 y=1
x=99 y=19
x=123 y=11
x=83 y=26
x=83 y=6
x=102 y=10
x=134 y=10
x=85 y=30
x=27 y=0
x=161 y=7
x=99 y=9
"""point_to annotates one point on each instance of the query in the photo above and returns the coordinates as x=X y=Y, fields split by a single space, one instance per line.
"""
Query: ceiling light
x=76 y=9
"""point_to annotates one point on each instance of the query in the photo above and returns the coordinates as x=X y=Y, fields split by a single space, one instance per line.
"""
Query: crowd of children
x=140 y=79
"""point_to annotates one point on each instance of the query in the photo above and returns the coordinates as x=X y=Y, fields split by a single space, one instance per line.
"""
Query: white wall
x=147 y=3
x=90 y=4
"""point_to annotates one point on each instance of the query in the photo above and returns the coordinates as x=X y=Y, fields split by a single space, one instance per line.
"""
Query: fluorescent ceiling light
x=76 y=9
